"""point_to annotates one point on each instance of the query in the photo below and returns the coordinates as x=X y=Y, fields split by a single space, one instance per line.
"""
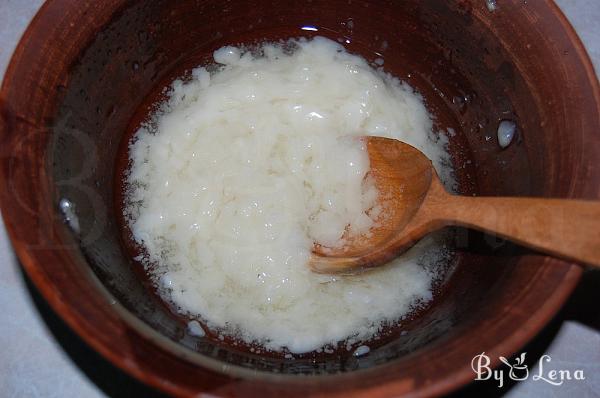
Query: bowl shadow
x=115 y=383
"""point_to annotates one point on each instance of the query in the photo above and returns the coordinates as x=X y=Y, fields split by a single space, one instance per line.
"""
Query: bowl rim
x=33 y=266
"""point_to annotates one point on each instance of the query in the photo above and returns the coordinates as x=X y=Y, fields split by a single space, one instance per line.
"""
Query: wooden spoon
x=414 y=203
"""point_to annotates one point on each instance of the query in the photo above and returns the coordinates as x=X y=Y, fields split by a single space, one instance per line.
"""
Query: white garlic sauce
x=241 y=170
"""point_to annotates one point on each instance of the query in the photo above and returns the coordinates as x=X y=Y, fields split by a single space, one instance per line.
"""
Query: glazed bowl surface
x=85 y=75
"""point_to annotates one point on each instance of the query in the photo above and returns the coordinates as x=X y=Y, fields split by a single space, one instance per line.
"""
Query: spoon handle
x=561 y=227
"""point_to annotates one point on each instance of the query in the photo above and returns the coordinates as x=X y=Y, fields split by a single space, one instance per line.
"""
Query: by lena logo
x=519 y=370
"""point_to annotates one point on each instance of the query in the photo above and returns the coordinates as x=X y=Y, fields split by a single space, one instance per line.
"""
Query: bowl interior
x=467 y=78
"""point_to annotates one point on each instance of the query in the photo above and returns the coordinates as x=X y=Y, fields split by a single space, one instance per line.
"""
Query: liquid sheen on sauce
x=243 y=168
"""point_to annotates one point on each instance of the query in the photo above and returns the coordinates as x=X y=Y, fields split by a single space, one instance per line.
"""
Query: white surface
x=33 y=365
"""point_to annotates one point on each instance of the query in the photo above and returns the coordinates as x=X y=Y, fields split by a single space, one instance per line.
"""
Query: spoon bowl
x=403 y=175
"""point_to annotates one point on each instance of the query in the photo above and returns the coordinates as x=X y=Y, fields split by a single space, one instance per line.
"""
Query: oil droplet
x=491 y=5
x=461 y=102
x=350 y=24
x=506 y=132
x=362 y=350
x=195 y=329
x=67 y=208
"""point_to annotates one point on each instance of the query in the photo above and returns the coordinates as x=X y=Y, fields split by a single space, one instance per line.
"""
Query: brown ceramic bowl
x=84 y=74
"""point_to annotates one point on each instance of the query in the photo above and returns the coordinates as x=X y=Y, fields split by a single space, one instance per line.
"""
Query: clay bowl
x=85 y=73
